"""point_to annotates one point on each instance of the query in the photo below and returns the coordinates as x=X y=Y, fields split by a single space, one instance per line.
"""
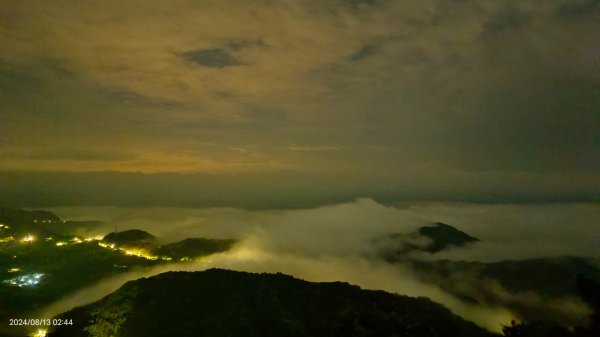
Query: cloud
x=241 y=43
x=567 y=310
x=363 y=53
x=578 y=9
x=68 y=154
x=355 y=271
x=505 y=19
x=362 y=2
x=431 y=86
x=339 y=242
x=308 y=148
x=397 y=100
x=329 y=243
x=509 y=232
x=214 y=58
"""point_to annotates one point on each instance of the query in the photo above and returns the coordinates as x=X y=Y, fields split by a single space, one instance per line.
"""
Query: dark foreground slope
x=228 y=303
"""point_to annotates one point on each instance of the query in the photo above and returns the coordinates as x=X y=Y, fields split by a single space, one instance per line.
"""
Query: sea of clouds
x=340 y=243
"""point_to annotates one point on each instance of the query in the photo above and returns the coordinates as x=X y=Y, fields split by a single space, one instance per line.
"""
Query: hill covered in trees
x=194 y=247
x=130 y=238
x=430 y=239
x=228 y=303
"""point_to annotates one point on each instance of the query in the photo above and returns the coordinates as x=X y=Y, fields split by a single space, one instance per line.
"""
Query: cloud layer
x=440 y=87
x=506 y=232
x=339 y=242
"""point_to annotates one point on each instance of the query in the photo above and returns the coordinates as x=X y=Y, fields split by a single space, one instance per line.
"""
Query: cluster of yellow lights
x=134 y=252
x=139 y=253
x=77 y=240
x=14 y=270
x=105 y=245
x=40 y=333
x=128 y=251
x=8 y=239
x=27 y=238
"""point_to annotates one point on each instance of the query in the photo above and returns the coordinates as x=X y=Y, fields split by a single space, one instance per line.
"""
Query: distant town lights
x=40 y=333
x=27 y=238
x=28 y=280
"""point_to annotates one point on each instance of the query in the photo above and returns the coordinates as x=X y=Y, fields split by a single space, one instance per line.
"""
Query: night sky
x=298 y=103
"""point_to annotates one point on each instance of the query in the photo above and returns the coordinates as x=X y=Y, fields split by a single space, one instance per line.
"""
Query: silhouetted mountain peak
x=431 y=239
x=443 y=236
x=132 y=237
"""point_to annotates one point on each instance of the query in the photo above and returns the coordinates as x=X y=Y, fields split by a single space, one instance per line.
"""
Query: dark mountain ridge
x=228 y=303
x=193 y=247
x=444 y=236
x=16 y=216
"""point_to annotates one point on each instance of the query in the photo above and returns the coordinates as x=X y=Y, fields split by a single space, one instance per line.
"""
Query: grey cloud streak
x=216 y=58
